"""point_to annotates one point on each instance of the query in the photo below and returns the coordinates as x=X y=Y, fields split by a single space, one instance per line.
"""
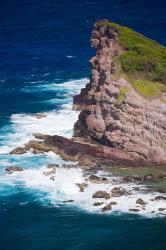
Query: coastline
x=77 y=169
x=69 y=185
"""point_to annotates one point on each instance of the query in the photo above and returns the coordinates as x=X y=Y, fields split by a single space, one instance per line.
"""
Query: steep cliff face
x=114 y=111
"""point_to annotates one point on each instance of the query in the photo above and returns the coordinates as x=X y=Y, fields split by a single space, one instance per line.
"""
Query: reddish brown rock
x=113 y=203
x=97 y=204
x=107 y=208
x=18 y=151
x=149 y=177
x=101 y=194
x=161 y=209
x=160 y=198
x=82 y=186
x=117 y=192
x=135 y=210
x=140 y=202
x=127 y=122
x=13 y=169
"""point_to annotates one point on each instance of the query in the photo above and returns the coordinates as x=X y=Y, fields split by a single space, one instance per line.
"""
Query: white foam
x=70 y=56
x=55 y=122
x=74 y=86
x=64 y=187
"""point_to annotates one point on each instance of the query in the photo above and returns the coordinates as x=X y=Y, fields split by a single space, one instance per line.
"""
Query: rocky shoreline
x=116 y=128
x=109 y=193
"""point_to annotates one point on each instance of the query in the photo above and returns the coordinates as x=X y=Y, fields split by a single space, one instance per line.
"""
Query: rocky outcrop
x=112 y=111
x=85 y=152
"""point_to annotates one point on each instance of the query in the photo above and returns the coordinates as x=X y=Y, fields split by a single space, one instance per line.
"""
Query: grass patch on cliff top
x=141 y=55
x=148 y=88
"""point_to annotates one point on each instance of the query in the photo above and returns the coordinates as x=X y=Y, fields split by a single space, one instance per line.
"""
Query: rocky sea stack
x=124 y=105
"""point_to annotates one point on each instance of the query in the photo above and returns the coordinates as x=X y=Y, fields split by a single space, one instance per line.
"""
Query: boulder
x=18 y=151
x=160 y=198
x=134 y=210
x=162 y=176
x=127 y=178
x=94 y=179
x=132 y=178
x=68 y=201
x=137 y=178
x=149 y=177
x=104 y=179
x=52 y=178
x=107 y=208
x=140 y=202
x=13 y=169
x=113 y=203
x=96 y=204
x=101 y=194
x=54 y=166
x=117 y=192
x=161 y=209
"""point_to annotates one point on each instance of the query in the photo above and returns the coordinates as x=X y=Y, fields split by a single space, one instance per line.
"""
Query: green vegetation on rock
x=148 y=88
x=142 y=61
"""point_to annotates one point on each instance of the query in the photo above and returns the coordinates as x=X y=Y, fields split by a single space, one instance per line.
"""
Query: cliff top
x=143 y=60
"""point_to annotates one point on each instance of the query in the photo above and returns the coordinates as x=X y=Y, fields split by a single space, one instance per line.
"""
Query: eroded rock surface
x=112 y=112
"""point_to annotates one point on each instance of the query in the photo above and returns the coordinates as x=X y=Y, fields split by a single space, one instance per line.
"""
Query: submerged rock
x=82 y=186
x=13 y=169
x=40 y=115
x=95 y=179
x=54 y=166
x=101 y=194
x=96 y=204
x=52 y=171
x=52 y=178
x=68 y=201
x=149 y=177
x=134 y=210
x=160 y=198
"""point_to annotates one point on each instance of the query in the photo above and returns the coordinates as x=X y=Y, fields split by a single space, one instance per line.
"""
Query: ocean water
x=44 y=53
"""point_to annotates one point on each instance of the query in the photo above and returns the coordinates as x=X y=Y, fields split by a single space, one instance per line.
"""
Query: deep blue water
x=44 y=43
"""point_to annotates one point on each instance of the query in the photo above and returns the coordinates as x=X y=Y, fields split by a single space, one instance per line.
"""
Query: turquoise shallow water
x=44 y=45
